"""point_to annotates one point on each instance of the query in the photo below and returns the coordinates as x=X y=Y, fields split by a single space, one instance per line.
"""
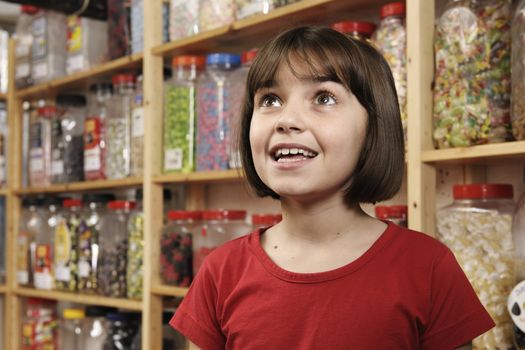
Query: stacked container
x=215 y=13
x=31 y=224
x=23 y=45
x=135 y=259
x=518 y=72
x=39 y=325
x=137 y=130
x=184 y=19
x=72 y=330
x=87 y=43
x=44 y=273
x=40 y=147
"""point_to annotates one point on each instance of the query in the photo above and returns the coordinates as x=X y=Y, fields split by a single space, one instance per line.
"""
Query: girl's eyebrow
x=266 y=84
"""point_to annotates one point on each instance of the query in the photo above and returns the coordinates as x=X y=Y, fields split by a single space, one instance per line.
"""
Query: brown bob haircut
x=363 y=71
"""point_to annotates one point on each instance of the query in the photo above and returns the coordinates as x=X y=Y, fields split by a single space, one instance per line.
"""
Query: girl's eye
x=325 y=98
x=270 y=101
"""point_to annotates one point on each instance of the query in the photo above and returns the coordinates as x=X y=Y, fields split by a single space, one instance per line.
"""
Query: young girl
x=321 y=133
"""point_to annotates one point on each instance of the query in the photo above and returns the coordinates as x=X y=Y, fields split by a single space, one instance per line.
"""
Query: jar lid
x=483 y=191
x=123 y=79
x=72 y=203
x=73 y=314
x=188 y=61
x=185 y=214
x=71 y=100
x=101 y=87
x=366 y=28
x=391 y=211
x=31 y=10
x=32 y=201
x=229 y=59
x=99 y=311
x=266 y=219
x=393 y=9
x=56 y=201
x=98 y=197
x=47 y=111
x=247 y=57
x=224 y=214
x=39 y=301
x=116 y=205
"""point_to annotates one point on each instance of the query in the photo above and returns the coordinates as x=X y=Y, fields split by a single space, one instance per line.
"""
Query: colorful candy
x=215 y=13
x=135 y=253
x=518 y=73
x=184 y=19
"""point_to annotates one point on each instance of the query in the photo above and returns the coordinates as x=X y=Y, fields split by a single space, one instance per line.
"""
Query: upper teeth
x=293 y=151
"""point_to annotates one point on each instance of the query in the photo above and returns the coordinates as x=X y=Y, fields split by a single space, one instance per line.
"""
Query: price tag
x=57 y=167
x=92 y=159
x=137 y=122
x=83 y=269
x=173 y=159
x=75 y=63
x=36 y=161
x=62 y=273
x=39 y=70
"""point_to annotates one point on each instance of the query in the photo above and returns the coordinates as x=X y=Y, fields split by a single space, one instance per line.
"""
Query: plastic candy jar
x=31 y=223
x=66 y=245
x=118 y=127
x=137 y=130
x=260 y=221
x=518 y=72
x=356 y=29
x=40 y=147
x=135 y=263
x=215 y=13
x=395 y=213
x=119 y=28
x=113 y=248
x=176 y=247
x=247 y=8
x=390 y=39
x=87 y=43
x=184 y=18
x=477 y=227
x=96 y=326
x=472 y=74
x=94 y=132
x=88 y=241
x=180 y=109
x=40 y=325
x=72 y=330
x=23 y=37
x=123 y=328
x=218 y=101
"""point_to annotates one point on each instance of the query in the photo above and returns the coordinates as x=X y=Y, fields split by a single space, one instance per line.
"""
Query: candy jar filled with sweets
x=66 y=245
x=360 y=30
x=39 y=325
x=72 y=330
x=176 y=247
x=218 y=101
x=137 y=130
x=88 y=241
x=94 y=132
x=87 y=43
x=477 y=227
x=96 y=326
x=113 y=249
x=395 y=213
x=23 y=37
x=180 y=114
x=123 y=328
x=215 y=13
x=184 y=19
x=117 y=131
x=135 y=263
x=390 y=39
x=31 y=223
x=265 y=220
x=472 y=74
x=119 y=28
x=518 y=72
x=40 y=147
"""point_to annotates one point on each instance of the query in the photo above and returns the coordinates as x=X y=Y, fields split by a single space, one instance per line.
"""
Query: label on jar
x=516 y=305
x=74 y=34
x=22 y=70
x=92 y=159
x=75 y=63
x=57 y=167
x=39 y=70
x=22 y=260
x=39 y=49
x=62 y=243
x=173 y=159
x=62 y=273
x=137 y=122
x=43 y=267
x=36 y=161
x=22 y=49
x=84 y=268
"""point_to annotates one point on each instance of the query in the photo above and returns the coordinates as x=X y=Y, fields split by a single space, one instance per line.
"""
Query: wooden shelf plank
x=81 y=79
x=80 y=298
x=83 y=186
x=255 y=30
x=169 y=291
x=476 y=154
x=200 y=176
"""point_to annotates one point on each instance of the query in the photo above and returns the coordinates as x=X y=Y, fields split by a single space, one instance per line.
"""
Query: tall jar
x=176 y=247
x=263 y=221
x=72 y=110
x=87 y=43
x=518 y=72
x=72 y=330
x=96 y=326
x=123 y=328
x=39 y=325
x=219 y=227
x=23 y=37
x=119 y=28
x=184 y=19
x=88 y=241
x=118 y=128
x=49 y=50
x=30 y=225
x=94 y=132
x=44 y=272
x=66 y=245
x=396 y=213
x=472 y=74
x=359 y=30
x=135 y=263
x=180 y=114
x=137 y=130
x=113 y=249
x=477 y=227
x=390 y=39
x=217 y=103
x=40 y=147
x=215 y=13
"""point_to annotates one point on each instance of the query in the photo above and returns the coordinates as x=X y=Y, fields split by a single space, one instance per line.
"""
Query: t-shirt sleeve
x=456 y=314
x=196 y=317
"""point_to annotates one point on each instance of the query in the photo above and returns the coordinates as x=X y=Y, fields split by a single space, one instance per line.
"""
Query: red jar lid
x=185 y=215
x=393 y=9
x=123 y=79
x=189 y=60
x=116 y=205
x=365 y=28
x=391 y=211
x=47 y=111
x=247 y=57
x=72 y=203
x=224 y=214
x=266 y=219
x=31 y=10
x=483 y=191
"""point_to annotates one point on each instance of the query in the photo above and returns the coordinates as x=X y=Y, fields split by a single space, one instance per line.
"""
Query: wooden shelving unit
x=3 y=289
x=3 y=96
x=208 y=177
x=482 y=154
x=83 y=186
x=169 y=291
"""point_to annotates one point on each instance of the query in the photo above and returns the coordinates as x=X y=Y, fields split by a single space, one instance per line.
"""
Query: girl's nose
x=290 y=120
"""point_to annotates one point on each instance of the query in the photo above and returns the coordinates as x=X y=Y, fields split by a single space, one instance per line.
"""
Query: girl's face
x=306 y=134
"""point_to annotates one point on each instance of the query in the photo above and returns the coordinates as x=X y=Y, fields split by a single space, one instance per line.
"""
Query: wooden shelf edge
x=101 y=69
x=169 y=48
x=80 y=298
x=169 y=291
x=83 y=186
x=475 y=153
x=200 y=176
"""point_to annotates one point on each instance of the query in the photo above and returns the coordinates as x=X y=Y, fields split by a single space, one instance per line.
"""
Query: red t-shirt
x=406 y=292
